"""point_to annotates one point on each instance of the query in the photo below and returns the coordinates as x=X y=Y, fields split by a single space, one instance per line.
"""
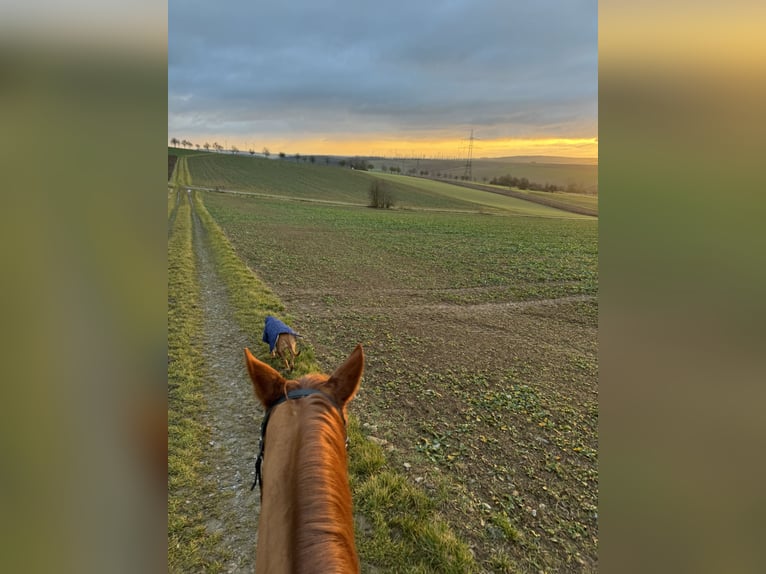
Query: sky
x=394 y=78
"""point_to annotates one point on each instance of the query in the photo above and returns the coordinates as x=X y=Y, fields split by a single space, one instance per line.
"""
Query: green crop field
x=179 y=151
x=571 y=199
x=280 y=177
x=286 y=178
x=478 y=315
x=491 y=202
x=526 y=257
x=588 y=201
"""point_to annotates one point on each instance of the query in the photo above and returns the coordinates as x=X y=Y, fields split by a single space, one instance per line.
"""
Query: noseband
x=295 y=394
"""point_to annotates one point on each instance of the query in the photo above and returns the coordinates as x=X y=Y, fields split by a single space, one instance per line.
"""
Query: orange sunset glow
x=433 y=148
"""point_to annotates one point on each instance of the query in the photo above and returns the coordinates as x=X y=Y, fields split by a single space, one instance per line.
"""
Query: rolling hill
x=305 y=181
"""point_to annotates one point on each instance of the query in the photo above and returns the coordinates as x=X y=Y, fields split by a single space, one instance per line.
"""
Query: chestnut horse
x=306 y=522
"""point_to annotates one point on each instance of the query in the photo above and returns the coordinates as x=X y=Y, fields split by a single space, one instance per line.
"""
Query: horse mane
x=322 y=495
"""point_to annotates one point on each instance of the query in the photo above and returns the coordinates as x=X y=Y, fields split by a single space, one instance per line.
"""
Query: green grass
x=405 y=534
x=398 y=541
x=190 y=547
x=502 y=563
x=181 y=175
x=510 y=531
x=172 y=193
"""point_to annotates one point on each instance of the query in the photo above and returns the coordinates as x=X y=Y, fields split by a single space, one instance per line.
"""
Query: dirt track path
x=233 y=416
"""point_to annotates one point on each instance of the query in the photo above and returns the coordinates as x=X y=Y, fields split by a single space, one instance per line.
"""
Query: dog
x=282 y=341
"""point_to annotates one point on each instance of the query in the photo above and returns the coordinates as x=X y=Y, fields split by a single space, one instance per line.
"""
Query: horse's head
x=341 y=385
x=306 y=469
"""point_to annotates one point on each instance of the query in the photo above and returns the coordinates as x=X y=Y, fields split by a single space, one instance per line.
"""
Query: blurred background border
x=83 y=105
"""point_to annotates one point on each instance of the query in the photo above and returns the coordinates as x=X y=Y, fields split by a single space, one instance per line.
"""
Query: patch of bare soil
x=233 y=417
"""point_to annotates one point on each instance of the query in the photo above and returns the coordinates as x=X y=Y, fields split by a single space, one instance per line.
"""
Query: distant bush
x=524 y=183
x=359 y=163
x=380 y=195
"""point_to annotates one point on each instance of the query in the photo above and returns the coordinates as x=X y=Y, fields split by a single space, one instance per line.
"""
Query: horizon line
x=436 y=157
x=450 y=148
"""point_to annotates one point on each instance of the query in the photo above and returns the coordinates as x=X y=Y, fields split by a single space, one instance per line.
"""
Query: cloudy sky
x=397 y=77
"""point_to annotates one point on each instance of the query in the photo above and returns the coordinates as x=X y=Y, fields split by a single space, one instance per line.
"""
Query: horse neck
x=306 y=522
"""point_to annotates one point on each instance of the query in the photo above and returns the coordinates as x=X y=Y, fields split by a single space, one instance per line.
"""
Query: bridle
x=294 y=394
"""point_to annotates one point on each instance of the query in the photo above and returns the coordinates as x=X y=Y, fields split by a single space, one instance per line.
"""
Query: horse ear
x=267 y=383
x=344 y=382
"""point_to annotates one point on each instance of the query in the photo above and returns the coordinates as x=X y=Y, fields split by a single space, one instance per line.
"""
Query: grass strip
x=397 y=529
x=171 y=201
x=181 y=174
x=190 y=547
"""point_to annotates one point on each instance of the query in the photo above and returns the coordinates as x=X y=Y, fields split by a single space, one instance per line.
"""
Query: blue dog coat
x=272 y=329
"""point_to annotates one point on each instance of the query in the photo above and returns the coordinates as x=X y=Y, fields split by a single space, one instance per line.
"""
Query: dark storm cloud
x=348 y=66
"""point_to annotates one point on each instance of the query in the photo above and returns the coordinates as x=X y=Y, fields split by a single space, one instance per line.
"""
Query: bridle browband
x=294 y=394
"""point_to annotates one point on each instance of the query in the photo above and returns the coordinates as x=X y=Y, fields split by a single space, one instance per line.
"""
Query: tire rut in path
x=232 y=415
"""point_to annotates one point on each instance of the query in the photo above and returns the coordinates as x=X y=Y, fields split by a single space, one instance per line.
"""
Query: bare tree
x=380 y=194
x=266 y=152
